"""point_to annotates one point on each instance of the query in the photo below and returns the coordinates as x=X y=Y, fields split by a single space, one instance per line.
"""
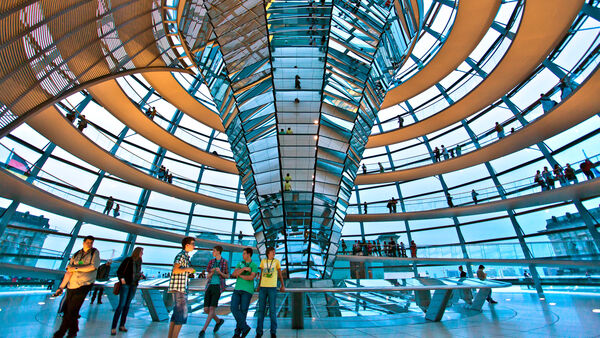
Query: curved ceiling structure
x=473 y=20
x=543 y=26
x=275 y=117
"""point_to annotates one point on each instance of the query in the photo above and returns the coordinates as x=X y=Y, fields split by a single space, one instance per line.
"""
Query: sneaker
x=245 y=332
x=201 y=334
x=99 y=301
x=493 y=302
x=258 y=335
x=218 y=325
x=273 y=335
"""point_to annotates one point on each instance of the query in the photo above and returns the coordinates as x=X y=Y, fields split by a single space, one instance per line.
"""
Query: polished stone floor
x=518 y=314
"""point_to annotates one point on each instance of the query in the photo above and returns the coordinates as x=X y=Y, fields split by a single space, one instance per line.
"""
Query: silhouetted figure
x=586 y=167
x=570 y=174
x=540 y=181
x=71 y=116
x=559 y=174
x=364 y=169
x=400 y=121
x=82 y=123
x=297 y=82
x=392 y=205
x=117 y=212
x=365 y=207
x=499 y=129
x=449 y=200
x=381 y=170
x=413 y=249
x=436 y=154
x=474 y=195
x=109 y=204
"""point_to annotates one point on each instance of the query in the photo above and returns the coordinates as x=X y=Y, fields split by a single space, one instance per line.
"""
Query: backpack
x=103 y=271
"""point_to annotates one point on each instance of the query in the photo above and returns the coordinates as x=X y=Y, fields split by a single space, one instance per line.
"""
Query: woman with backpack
x=129 y=274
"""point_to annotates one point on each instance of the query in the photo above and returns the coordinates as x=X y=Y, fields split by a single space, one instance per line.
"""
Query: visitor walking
x=586 y=168
x=218 y=271
x=474 y=195
x=109 y=204
x=413 y=249
x=449 y=200
x=445 y=153
x=129 y=274
x=79 y=279
x=500 y=130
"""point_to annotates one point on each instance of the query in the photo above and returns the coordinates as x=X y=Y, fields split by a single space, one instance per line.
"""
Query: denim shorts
x=180 y=311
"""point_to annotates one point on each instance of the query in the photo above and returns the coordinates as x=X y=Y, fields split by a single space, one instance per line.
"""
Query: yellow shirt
x=269 y=269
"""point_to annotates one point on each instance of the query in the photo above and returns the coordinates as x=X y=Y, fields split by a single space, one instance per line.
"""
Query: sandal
x=123 y=329
x=113 y=332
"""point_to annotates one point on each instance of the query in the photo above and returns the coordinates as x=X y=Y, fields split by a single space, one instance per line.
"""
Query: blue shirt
x=216 y=279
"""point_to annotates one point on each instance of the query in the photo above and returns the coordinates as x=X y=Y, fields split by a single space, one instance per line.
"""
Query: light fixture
x=596 y=310
x=508 y=299
x=552 y=304
x=41 y=303
x=542 y=298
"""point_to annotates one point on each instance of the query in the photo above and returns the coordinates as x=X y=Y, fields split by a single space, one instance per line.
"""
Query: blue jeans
x=263 y=294
x=125 y=297
x=240 y=301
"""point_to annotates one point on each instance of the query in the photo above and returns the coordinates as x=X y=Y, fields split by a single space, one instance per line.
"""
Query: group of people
x=164 y=174
x=286 y=132
x=81 y=122
x=374 y=248
x=245 y=273
x=110 y=202
x=287 y=185
x=151 y=113
x=547 y=178
x=446 y=153
x=84 y=270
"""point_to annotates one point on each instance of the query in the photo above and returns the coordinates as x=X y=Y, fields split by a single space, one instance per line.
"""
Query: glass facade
x=323 y=70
